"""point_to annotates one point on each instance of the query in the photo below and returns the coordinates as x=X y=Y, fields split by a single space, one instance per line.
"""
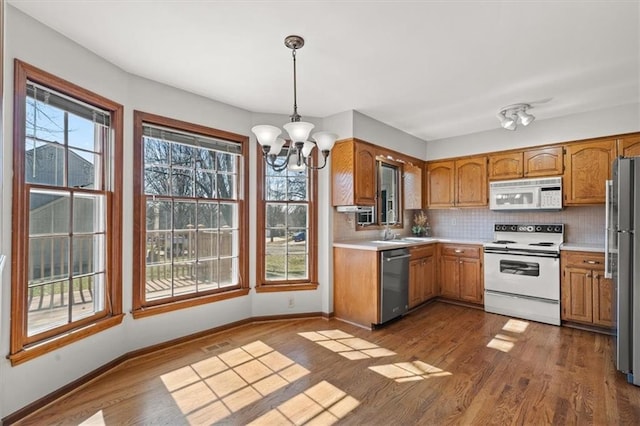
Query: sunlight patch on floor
x=96 y=420
x=322 y=404
x=409 y=371
x=212 y=389
x=346 y=345
x=503 y=342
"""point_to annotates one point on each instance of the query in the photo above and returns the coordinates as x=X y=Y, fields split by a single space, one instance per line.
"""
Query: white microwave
x=526 y=194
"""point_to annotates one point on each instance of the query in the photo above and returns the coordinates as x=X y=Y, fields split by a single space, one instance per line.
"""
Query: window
x=66 y=270
x=287 y=233
x=190 y=219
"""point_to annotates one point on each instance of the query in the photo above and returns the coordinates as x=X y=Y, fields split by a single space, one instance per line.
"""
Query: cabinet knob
x=596 y=276
x=588 y=275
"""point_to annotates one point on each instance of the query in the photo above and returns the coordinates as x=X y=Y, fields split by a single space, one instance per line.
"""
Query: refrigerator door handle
x=607 y=254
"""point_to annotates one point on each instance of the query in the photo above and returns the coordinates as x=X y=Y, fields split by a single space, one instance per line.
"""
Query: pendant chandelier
x=298 y=155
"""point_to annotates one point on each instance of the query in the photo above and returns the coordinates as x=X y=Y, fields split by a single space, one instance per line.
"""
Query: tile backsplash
x=583 y=225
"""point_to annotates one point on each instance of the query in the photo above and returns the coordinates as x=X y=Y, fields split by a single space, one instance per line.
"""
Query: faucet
x=386 y=233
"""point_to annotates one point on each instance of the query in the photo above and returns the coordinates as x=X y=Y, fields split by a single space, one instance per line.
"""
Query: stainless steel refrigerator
x=623 y=261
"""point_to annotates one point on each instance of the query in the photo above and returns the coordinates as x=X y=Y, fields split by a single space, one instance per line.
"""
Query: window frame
x=140 y=307
x=23 y=347
x=311 y=283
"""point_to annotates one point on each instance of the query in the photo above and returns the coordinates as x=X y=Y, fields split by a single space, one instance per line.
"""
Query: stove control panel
x=548 y=228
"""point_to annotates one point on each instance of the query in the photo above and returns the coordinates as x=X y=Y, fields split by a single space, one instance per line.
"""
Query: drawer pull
x=458 y=251
x=591 y=262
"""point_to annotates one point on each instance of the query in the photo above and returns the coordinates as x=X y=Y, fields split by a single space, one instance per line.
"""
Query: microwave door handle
x=538 y=197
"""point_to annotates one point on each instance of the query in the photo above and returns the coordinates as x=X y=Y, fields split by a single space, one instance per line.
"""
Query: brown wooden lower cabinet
x=461 y=275
x=587 y=296
x=422 y=275
x=356 y=288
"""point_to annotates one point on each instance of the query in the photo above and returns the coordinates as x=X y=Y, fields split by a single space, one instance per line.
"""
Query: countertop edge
x=582 y=247
x=373 y=246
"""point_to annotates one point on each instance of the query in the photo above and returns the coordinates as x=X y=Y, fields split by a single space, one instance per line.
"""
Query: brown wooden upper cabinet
x=412 y=186
x=588 y=166
x=353 y=173
x=629 y=146
x=459 y=183
x=525 y=164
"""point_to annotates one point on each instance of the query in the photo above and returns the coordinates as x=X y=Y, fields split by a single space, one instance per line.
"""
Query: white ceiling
x=434 y=69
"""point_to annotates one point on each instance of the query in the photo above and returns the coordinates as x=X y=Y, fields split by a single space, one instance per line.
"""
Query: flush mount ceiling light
x=299 y=154
x=509 y=116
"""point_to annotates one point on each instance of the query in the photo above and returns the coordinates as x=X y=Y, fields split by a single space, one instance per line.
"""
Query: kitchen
x=34 y=42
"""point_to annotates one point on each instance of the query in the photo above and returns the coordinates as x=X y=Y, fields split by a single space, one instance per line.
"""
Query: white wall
x=622 y=119
x=370 y=130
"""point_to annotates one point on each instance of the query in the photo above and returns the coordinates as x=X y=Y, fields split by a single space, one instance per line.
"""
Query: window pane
x=297 y=267
x=207 y=215
x=156 y=151
x=228 y=272
x=158 y=284
x=275 y=260
x=156 y=180
x=87 y=252
x=206 y=159
x=227 y=244
x=228 y=215
x=182 y=155
x=182 y=182
x=297 y=188
x=48 y=258
x=226 y=162
x=48 y=306
x=184 y=215
x=48 y=166
x=158 y=250
x=83 y=300
x=88 y=213
x=207 y=243
x=159 y=215
x=208 y=275
x=82 y=134
x=297 y=215
x=276 y=188
x=44 y=122
x=49 y=212
x=205 y=184
x=226 y=186
x=276 y=217
x=184 y=278
x=84 y=169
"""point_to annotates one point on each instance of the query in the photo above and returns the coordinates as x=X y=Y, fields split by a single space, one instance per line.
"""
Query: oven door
x=514 y=198
x=526 y=275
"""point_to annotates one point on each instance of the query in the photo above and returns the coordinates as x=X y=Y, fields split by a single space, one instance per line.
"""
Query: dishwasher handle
x=404 y=256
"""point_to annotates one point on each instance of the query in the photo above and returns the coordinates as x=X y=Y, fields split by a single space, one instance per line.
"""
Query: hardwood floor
x=441 y=364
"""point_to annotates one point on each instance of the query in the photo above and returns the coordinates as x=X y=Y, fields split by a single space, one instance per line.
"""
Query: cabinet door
x=412 y=186
x=543 y=162
x=365 y=175
x=577 y=295
x=471 y=182
x=449 y=283
x=440 y=182
x=588 y=168
x=429 y=290
x=470 y=280
x=629 y=146
x=603 y=298
x=415 y=286
x=505 y=166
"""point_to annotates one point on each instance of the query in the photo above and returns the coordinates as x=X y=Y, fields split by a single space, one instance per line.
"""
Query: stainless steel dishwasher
x=394 y=283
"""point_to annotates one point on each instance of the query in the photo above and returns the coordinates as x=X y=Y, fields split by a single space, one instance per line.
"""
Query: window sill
x=147 y=311
x=269 y=288
x=39 y=349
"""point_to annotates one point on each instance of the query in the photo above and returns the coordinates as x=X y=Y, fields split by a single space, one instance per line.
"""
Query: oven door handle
x=552 y=255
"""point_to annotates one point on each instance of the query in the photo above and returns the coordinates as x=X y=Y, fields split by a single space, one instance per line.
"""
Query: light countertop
x=378 y=245
x=596 y=248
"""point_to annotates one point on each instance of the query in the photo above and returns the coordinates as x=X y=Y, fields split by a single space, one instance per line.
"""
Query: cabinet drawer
x=583 y=259
x=461 y=250
x=418 y=252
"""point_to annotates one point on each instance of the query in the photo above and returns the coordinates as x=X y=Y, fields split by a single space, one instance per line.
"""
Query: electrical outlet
x=291 y=302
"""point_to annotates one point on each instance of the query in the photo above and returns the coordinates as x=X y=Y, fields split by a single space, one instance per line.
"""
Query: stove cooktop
x=542 y=237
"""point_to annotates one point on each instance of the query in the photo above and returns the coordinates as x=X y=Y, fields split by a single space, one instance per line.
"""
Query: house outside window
x=190 y=215
x=287 y=220
x=66 y=218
